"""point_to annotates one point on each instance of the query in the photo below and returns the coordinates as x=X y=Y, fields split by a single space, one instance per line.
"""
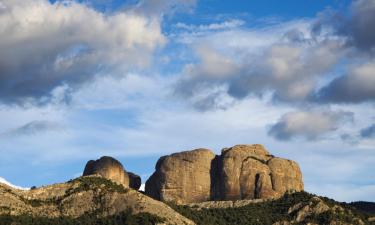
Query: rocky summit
x=112 y=169
x=240 y=172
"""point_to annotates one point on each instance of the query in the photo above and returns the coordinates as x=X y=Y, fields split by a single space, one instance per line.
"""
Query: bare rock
x=109 y=168
x=285 y=175
x=251 y=172
x=182 y=177
x=134 y=181
x=240 y=172
x=245 y=173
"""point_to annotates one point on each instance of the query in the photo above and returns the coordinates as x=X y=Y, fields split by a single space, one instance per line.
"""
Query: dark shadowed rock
x=134 y=181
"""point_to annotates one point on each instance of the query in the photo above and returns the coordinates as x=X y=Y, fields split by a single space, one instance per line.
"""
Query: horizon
x=139 y=79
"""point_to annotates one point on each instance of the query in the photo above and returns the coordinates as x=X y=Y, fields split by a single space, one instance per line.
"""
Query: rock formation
x=182 y=177
x=240 y=172
x=134 y=181
x=112 y=169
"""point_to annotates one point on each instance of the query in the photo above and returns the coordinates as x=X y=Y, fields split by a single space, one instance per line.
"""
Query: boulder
x=183 y=177
x=109 y=168
x=134 y=181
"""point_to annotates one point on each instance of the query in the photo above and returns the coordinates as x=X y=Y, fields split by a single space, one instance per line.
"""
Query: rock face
x=240 y=172
x=251 y=172
x=112 y=169
x=182 y=177
x=134 y=181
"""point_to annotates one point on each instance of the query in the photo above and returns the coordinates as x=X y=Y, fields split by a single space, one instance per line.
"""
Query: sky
x=140 y=79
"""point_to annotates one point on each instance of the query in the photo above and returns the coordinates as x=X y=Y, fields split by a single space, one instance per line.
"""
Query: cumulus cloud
x=355 y=87
x=307 y=125
x=358 y=27
x=45 y=45
x=287 y=69
x=355 y=26
x=293 y=61
x=368 y=132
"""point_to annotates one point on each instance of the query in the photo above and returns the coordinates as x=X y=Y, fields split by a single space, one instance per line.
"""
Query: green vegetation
x=365 y=207
x=94 y=183
x=267 y=212
x=84 y=184
x=125 y=218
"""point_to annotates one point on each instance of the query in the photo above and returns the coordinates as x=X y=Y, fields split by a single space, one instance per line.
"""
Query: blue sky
x=140 y=79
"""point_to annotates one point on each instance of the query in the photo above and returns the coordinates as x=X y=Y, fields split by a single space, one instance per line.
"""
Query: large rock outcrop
x=240 y=172
x=182 y=177
x=251 y=172
x=112 y=169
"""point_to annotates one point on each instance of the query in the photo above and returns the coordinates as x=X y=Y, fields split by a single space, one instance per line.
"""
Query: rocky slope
x=240 y=172
x=292 y=208
x=86 y=195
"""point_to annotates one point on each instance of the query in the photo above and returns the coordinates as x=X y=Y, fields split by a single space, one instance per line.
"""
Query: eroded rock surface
x=182 y=177
x=109 y=168
x=240 y=172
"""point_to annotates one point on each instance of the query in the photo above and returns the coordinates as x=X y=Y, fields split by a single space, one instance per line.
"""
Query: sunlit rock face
x=240 y=172
x=251 y=172
x=109 y=168
x=182 y=177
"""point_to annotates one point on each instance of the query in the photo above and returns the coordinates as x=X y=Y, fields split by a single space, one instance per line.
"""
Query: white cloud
x=355 y=87
x=228 y=24
x=68 y=43
x=309 y=125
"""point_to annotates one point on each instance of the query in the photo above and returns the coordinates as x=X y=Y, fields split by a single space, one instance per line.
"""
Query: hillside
x=85 y=200
x=292 y=208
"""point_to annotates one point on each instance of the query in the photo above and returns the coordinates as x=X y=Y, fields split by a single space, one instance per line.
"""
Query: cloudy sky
x=138 y=79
